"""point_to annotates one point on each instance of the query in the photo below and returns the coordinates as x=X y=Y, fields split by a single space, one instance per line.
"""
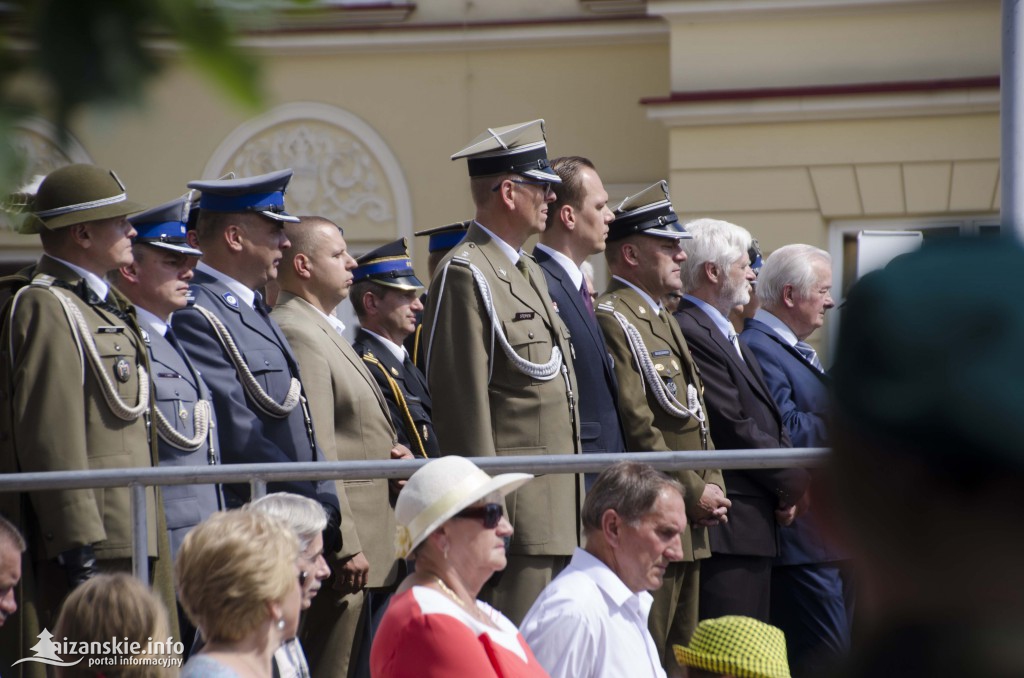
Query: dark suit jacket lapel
x=556 y=271
x=747 y=366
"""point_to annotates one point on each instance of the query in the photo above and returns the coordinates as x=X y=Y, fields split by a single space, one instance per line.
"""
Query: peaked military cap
x=444 y=238
x=648 y=212
x=517 y=149
x=388 y=265
x=165 y=225
x=263 y=194
x=78 y=193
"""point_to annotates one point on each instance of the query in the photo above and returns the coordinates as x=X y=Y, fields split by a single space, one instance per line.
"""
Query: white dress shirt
x=587 y=624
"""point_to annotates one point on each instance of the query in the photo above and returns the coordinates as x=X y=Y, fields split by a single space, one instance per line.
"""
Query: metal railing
x=258 y=475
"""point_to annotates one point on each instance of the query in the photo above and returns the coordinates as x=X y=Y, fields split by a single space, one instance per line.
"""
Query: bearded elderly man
x=591 y=620
x=716 y=277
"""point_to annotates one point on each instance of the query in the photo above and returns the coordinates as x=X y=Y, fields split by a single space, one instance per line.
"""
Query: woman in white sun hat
x=451 y=521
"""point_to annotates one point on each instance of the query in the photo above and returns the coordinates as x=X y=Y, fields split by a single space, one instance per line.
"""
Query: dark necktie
x=587 y=301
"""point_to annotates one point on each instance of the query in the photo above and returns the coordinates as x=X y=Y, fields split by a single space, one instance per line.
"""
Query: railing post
x=140 y=533
x=258 y=488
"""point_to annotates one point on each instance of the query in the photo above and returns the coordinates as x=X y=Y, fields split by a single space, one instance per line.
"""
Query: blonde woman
x=238 y=580
x=110 y=606
x=451 y=518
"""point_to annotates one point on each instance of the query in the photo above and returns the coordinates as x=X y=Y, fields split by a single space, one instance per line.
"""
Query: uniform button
x=267 y=363
x=472 y=244
x=117 y=347
x=178 y=395
x=530 y=335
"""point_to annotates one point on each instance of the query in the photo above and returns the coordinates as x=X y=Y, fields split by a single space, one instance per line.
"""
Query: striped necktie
x=809 y=354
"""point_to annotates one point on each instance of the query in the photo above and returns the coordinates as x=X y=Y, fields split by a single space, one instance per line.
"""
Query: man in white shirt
x=592 y=619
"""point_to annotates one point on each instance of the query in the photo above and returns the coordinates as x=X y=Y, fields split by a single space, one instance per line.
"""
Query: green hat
x=75 y=194
x=738 y=646
x=929 y=353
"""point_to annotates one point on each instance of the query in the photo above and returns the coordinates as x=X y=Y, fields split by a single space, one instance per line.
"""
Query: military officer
x=355 y=424
x=440 y=240
x=157 y=283
x=660 y=392
x=75 y=392
x=499 y=362
x=385 y=296
x=260 y=407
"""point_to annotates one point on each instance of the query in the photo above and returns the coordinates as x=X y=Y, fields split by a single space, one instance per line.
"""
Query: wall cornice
x=741 y=10
x=829 y=102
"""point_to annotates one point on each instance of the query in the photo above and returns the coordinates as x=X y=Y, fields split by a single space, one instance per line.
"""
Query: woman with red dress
x=451 y=522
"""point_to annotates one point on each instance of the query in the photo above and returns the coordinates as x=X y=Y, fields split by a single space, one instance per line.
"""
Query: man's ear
x=712 y=272
x=80 y=234
x=301 y=266
x=611 y=527
x=631 y=254
x=234 y=236
x=129 y=273
x=789 y=295
x=506 y=192
x=568 y=216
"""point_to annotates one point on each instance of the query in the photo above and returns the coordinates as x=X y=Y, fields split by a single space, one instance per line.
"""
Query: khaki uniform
x=353 y=424
x=648 y=427
x=54 y=417
x=484 y=405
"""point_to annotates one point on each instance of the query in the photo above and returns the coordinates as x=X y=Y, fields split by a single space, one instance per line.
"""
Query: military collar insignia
x=231 y=299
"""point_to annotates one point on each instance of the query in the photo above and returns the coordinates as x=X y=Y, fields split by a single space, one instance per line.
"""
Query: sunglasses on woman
x=489 y=513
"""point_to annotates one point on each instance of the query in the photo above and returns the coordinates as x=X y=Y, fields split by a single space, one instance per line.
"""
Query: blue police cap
x=164 y=226
x=388 y=265
x=444 y=238
x=263 y=194
x=648 y=212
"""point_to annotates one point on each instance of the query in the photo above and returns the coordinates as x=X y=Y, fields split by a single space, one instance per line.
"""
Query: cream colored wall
x=929 y=40
x=425 y=105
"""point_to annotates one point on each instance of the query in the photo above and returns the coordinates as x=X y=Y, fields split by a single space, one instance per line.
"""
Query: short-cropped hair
x=304 y=516
x=230 y=567
x=629 y=487
x=113 y=606
x=9 y=533
x=789 y=265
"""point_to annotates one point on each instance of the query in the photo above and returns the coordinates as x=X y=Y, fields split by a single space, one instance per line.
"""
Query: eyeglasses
x=490 y=513
x=544 y=185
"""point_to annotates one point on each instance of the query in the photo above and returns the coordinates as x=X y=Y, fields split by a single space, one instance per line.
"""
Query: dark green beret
x=930 y=352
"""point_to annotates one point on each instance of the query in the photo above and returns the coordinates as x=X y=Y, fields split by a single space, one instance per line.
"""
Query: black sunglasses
x=490 y=513
x=303 y=576
x=543 y=185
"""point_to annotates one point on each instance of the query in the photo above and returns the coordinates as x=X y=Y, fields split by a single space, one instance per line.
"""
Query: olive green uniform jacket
x=54 y=417
x=484 y=405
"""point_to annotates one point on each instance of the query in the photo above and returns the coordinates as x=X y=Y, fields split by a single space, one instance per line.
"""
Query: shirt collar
x=396 y=350
x=575 y=274
x=655 y=306
x=721 y=322
x=150 y=320
x=97 y=284
x=609 y=582
x=241 y=291
x=332 y=320
x=505 y=248
x=780 y=328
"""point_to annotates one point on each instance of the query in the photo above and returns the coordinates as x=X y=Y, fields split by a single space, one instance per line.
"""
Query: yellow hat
x=738 y=646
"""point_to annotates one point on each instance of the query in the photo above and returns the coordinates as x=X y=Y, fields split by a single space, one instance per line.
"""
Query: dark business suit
x=177 y=388
x=600 y=427
x=410 y=406
x=246 y=433
x=811 y=599
x=743 y=415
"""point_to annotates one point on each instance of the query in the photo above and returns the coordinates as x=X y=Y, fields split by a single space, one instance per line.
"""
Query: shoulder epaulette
x=43 y=280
